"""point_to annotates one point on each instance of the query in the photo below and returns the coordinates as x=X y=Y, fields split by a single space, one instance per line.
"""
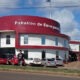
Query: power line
x=35 y=7
x=51 y=4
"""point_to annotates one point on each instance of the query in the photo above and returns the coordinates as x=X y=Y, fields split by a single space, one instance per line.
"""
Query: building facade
x=37 y=37
x=75 y=50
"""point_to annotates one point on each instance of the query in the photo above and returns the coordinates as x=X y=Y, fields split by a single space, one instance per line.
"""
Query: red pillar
x=17 y=40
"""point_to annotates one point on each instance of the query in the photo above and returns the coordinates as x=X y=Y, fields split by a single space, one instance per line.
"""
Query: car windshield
x=58 y=59
x=6 y=56
x=36 y=59
x=30 y=58
x=3 y=56
x=51 y=59
x=10 y=56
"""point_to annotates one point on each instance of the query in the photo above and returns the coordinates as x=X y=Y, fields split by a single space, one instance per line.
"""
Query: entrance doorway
x=7 y=51
x=72 y=56
x=43 y=55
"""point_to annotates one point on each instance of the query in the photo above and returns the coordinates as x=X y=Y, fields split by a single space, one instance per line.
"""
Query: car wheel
x=12 y=63
x=45 y=65
x=7 y=62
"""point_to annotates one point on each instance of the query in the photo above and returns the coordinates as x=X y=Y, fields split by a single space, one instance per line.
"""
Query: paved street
x=29 y=76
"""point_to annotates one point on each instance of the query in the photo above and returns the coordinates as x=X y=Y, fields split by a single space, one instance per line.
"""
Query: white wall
x=74 y=47
x=34 y=40
x=50 y=54
x=49 y=40
x=61 y=42
x=12 y=39
x=37 y=53
x=63 y=53
x=34 y=54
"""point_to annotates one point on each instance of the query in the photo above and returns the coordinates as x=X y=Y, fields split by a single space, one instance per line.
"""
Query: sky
x=66 y=12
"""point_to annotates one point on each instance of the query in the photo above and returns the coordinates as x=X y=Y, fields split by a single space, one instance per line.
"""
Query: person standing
x=20 y=58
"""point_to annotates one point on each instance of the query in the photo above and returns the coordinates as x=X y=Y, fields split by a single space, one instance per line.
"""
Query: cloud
x=65 y=15
x=75 y=34
x=4 y=4
x=65 y=18
x=8 y=3
x=68 y=23
x=67 y=1
x=54 y=3
x=45 y=2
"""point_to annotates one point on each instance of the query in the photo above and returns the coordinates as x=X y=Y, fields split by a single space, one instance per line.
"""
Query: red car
x=14 y=61
x=3 y=59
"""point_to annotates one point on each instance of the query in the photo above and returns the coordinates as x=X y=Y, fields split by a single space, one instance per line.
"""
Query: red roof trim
x=42 y=47
x=74 y=42
x=8 y=23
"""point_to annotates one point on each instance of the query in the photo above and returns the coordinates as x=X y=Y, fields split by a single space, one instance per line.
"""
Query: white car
x=33 y=61
x=49 y=62
x=29 y=61
x=59 y=62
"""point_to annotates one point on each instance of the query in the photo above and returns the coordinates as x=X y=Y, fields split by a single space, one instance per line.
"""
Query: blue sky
x=68 y=17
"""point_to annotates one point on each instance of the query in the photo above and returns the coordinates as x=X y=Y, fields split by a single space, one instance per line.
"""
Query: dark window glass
x=56 y=41
x=43 y=55
x=79 y=47
x=57 y=54
x=25 y=39
x=8 y=39
x=50 y=59
x=65 y=43
x=43 y=40
x=26 y=54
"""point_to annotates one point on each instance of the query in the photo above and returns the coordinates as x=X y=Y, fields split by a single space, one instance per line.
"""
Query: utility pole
x=50 y=12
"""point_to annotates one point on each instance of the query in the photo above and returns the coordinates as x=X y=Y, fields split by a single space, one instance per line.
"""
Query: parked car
x=3 y=59
x=49 y=62
x=59 y=62
x=14 y=61
x=33 y=61
x=9 y=57
x=29 y=61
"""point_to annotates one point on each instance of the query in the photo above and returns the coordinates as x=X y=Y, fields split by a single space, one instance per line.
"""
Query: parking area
x=48 y=62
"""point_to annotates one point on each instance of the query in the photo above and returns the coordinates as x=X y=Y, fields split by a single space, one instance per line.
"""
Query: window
x=65 y=56
x=7 y=39
x=56 y=41
x=25 y=39
x=43 y=54
x=26 y=54
x=57 y=54
x=43 y=40
x=65 y=43
x=79 y=47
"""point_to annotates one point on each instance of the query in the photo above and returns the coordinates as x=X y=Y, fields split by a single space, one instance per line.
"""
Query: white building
x=75 y=49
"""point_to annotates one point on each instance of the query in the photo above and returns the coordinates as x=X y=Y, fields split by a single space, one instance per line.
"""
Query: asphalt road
x=30 y=76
